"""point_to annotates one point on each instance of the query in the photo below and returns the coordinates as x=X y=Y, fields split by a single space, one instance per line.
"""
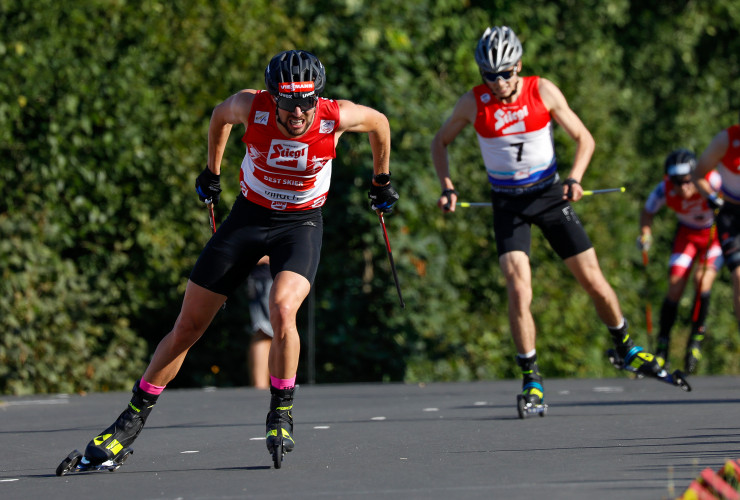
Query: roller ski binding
x=531 y=399
x=77 y=462
x=642 y=364
x=279 y=425
x=111 y=448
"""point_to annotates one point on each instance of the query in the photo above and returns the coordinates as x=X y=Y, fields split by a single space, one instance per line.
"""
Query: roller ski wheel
x=278 y=453
x=525 y=408
x=676 y=378
x=77 y=462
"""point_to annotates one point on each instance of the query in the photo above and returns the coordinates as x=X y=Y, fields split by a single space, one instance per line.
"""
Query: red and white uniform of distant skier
x=512 y=117
x=723 y=153
x=695 y=244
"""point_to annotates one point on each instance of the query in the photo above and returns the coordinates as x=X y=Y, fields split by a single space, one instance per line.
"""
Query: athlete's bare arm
x=358 y=118
x=709 y=160
x=463 y=115
x=233 y=110
x=557 y=105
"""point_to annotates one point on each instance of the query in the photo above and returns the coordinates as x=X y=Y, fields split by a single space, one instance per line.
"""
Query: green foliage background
x=104 y=109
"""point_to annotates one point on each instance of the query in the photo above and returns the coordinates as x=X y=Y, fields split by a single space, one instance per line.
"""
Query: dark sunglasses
x=680 y=181
x=504 y=75
x=305 y=104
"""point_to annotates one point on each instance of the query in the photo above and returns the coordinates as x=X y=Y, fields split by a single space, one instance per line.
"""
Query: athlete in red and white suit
x=695 y=241
x=723 y=153
x=291 y=135
x=512 y=117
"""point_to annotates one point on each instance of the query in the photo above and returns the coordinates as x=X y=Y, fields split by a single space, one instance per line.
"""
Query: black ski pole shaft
x=212 y=222
x=390 y=258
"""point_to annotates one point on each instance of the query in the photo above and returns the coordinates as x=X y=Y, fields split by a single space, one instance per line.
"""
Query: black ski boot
x=632 y=356
x=116 y=439
x=279 y=424
x=531 y=400
x=693 y=351
x=661 y=352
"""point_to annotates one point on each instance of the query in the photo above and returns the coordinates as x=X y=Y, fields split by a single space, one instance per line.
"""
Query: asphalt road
x=602 y=438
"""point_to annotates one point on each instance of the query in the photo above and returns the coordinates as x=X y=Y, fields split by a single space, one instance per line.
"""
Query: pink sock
x=151 y=388
x=282 y=383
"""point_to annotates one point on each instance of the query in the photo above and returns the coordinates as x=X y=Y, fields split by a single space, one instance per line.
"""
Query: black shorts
x=513 y=217
x=728 y=229
x=291 y=239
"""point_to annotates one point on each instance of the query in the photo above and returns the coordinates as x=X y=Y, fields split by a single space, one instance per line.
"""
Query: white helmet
x=498 y=49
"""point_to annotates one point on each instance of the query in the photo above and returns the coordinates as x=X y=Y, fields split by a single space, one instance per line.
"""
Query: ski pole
x=390 y=258
x=602 y=191
x=469 y=204
x=697 y=299
x=648 y=307
x=212 y=218
x=212 y=222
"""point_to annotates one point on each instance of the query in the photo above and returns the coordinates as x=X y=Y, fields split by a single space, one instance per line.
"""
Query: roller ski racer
x=290 y=133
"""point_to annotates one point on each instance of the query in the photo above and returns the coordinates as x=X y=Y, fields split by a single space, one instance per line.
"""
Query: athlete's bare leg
x=585 y=267
x=516 y=269
x=198 y=310
x=286 y=296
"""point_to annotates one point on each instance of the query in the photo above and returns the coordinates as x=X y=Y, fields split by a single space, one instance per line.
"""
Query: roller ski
x=77 y=462
x=531 y=400
x=279 y=425
x=643 y=364
x=110 y=449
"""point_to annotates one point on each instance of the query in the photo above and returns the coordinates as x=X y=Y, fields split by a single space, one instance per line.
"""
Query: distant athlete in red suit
x=695 y=244
x=512 y=116
x=723 y=153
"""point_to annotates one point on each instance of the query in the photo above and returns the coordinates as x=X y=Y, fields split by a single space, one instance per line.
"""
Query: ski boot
x=110 y=449
x=531 y=400
x=693 y=352
x=628 y=356
x=633 y=358
x=661 y=352
x=279 y=424
x=117 y=438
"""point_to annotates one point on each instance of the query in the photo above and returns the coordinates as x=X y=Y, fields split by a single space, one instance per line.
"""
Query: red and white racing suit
x=695 y=221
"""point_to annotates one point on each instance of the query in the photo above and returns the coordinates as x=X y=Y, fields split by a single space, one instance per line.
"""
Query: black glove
x=382 y=197
x=569 y=183
x=715 y=202
x=208 y=185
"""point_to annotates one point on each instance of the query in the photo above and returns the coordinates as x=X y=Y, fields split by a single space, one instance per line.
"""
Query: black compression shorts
x=728 y=229
x=291 y=239
x=513 y=217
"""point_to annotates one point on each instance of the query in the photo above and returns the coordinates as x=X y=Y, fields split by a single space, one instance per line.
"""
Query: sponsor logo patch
x=326 y=126
x=291 y=87
x=288 y=155
x=261 y=117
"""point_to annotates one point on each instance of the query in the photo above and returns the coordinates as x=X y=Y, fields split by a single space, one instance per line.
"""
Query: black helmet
x=295 y=74
x=498 y=49
x=679 y=163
